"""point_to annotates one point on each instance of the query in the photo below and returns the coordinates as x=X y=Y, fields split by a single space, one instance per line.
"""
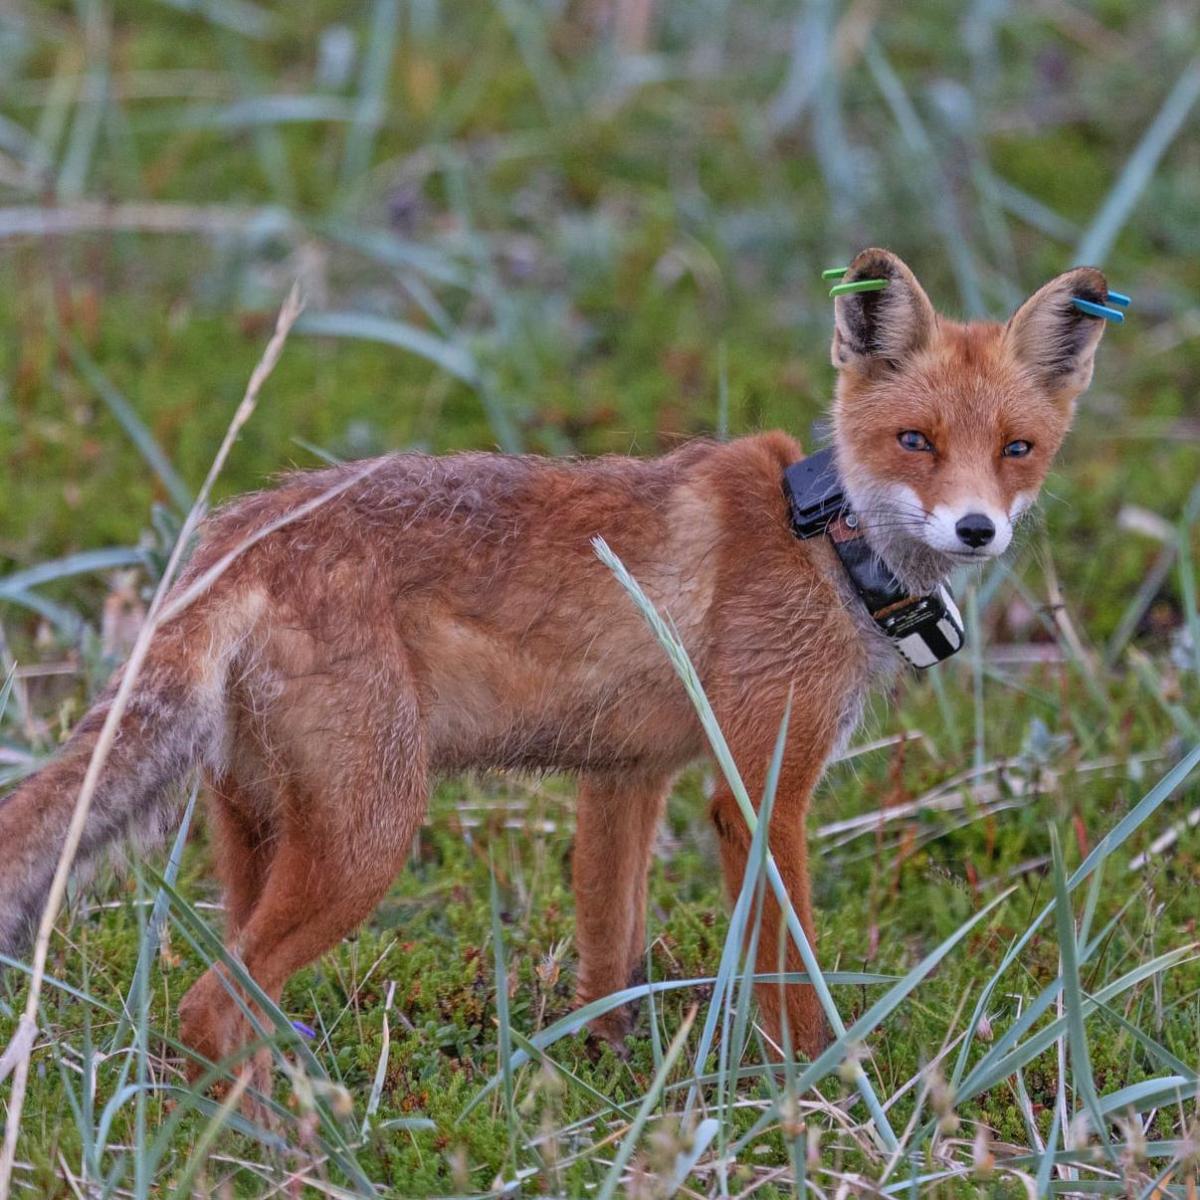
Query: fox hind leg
x=354 y=798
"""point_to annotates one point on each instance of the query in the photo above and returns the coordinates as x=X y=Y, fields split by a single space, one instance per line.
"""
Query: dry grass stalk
x=16 y=1056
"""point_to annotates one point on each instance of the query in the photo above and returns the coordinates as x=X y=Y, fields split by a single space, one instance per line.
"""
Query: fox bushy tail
x=173 y=721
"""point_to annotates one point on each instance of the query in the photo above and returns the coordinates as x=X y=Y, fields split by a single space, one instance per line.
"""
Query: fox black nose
x=975 y=529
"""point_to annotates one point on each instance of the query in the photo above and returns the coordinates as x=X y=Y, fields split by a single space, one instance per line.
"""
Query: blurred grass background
x=587 y=227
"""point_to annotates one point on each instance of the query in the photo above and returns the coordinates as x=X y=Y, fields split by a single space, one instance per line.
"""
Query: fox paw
x=610 y=1030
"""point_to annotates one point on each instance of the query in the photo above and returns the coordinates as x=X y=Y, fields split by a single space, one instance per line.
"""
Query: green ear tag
x=859 y=285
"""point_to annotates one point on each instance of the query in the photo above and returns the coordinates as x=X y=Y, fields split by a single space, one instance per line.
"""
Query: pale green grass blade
x=504 y=1042
x=371 y=107
x=269 y=145
x=1089 y=906
x=834 y=1054
x=691 y=681
x=1150 y=1093
x=1187 y=592
x=69 y=624
x=84 y=136
x=529 y=32
x=217 y=1122
x=453 y=359
x=735 y=937
x=1029 y=209
x=540 y=1056
x=284 y=1034
x=702 y=1138
x=1046 y=1162
x=1081 y=1064
x=1109 y=844
x=1096 y=243
x=259 y=110
x=6 y=688
x=1154 y=684
x=80 y=994
x=656 y=1042
x=574 y=1021
x=399 y=253
x=1155 y=1049
x=925 y=155
x=1000 y=1062
x=194 y=1098
x=158 y=919
x=733 y=1041
x=82 y=563
x=629 y=1144
x=239 y=16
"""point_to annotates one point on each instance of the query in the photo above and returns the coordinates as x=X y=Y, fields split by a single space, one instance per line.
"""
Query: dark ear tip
x=873 y=263
x=1089 y=283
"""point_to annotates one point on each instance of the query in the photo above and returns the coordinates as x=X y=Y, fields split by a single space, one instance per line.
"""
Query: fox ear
x=1053 y=339
x=872 y=328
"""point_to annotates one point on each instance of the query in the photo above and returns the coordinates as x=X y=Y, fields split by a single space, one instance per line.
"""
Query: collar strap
x=925 y=629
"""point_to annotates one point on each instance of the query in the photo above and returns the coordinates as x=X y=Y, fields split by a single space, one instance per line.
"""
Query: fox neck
x=919 y=568
x=894 y=535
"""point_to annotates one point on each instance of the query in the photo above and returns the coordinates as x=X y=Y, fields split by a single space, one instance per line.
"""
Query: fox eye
x=1017 y=449
x=910 y=439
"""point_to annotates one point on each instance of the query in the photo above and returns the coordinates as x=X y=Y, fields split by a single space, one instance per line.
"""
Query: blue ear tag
x=1098 y=310
x=1119 y=298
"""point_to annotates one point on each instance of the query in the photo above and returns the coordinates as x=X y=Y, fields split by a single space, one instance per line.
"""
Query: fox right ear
x=873 y=328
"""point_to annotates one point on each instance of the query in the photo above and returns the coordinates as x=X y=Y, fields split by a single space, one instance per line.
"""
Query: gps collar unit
x=925 y=629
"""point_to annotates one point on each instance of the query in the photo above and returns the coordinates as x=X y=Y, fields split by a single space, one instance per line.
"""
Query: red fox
x=450 y=614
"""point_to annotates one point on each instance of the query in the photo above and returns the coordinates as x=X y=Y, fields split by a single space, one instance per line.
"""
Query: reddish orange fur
x=450 y=614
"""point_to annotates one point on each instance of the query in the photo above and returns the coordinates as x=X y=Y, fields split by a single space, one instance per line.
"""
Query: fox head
x=944 y=431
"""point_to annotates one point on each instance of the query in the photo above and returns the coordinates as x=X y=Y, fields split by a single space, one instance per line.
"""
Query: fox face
x=944 y=431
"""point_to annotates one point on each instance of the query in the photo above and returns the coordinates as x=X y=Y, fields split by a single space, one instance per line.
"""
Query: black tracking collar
x=925 y=629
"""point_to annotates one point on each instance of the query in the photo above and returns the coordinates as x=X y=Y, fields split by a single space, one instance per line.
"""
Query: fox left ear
x=880 y=327
x=1055 y=340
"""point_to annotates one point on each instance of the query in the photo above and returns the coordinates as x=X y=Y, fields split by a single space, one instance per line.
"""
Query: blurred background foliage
x=565 y=227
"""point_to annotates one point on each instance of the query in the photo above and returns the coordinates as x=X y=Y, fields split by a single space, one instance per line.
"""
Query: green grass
x=545 y=242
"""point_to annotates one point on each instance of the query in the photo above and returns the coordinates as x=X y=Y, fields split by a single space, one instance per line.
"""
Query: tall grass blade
x=129 y=421
x=371 y=106
x=1081 y=1063
x=239 y=16
x=574 y=1021
x=691 y=681
x=927 y=167
x=525 y=21
x=1007 y=1056
x=217 y=1122
x=540 y=1056
x=158 y=918
x=1098 y=240
x=613 y=1179
x=82 y=563
x=453 y=359
x=399 y=253
x=838 y=1051
x=1109 y=844
x=504 y=1019
x=89 y=111
x=284 y=1034
x=735 y=937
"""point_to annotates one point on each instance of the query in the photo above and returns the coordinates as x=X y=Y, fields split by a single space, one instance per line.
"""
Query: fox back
x=366 y=627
